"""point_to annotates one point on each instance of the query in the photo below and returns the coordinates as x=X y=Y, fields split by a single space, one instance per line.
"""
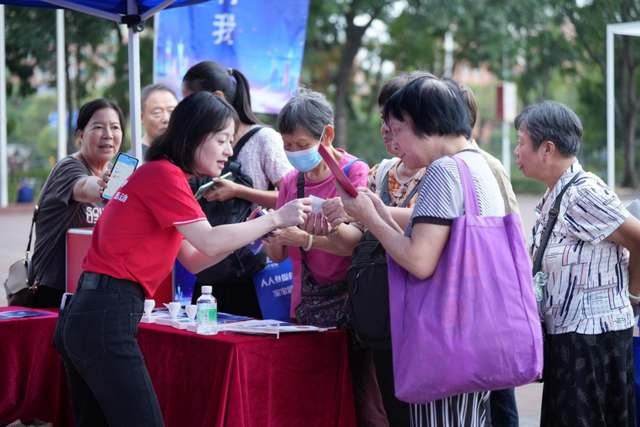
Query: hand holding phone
x=122 y=169
x=209 y=186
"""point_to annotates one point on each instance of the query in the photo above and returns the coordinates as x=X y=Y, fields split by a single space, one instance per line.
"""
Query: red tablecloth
x=200 y=381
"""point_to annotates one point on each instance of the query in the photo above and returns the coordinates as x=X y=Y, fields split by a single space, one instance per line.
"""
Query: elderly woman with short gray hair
x=319 y=267
x=586 y=276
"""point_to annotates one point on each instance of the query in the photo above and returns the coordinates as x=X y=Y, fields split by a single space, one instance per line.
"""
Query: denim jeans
x=95 y=335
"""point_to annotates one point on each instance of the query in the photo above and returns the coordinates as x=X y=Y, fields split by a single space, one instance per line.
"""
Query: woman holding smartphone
x=73 y=196
x=152 y=219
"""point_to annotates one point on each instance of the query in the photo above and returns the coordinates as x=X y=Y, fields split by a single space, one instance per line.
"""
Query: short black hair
x=195 y=117
x=398 y=82
x=88 y=110
x=210 y=76
x=551 y=121
x=148 y=90
x=466 y=94
x=308 y=110
x=434 y=108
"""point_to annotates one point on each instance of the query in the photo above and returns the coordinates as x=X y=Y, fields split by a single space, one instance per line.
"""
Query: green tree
x=336 y=33
x=590 y=23
x=31 y=41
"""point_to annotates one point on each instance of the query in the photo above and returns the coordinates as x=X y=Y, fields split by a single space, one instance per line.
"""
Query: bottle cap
x=206 y=289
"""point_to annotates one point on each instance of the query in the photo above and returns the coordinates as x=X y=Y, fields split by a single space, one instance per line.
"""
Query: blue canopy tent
x=132 y=13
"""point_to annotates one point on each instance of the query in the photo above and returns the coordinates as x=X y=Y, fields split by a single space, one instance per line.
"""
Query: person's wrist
x=633 y=297
x=334 y=230
x=309 y=243
x=234 y=190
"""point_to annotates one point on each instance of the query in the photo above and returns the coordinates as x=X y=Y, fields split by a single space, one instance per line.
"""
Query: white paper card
x=316 y=204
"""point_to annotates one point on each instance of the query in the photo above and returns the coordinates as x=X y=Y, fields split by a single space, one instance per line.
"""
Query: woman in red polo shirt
x=151 y=219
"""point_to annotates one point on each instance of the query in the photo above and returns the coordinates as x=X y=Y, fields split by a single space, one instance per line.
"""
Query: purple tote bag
x=473 y=326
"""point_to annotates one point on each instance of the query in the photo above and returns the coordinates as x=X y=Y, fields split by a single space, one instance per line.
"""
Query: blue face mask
x=304 y=160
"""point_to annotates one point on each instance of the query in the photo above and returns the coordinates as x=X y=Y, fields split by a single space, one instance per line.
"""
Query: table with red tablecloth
x=299 y=379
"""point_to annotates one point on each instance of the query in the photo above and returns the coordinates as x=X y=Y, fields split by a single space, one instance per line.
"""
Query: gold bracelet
x=335 y=230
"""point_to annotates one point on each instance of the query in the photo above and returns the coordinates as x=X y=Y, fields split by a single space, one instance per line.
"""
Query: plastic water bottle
x=207 y=320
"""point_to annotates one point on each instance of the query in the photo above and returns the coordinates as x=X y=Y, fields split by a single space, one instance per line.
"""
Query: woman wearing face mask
x=319 y=267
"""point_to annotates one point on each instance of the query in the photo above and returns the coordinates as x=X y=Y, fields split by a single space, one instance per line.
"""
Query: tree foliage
x=553 y=49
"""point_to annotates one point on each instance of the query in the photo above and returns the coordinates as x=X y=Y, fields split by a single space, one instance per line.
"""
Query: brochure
x=19 y=314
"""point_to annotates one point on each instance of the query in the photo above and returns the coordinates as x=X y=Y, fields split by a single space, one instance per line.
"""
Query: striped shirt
x=440 y=200
x=588 y=287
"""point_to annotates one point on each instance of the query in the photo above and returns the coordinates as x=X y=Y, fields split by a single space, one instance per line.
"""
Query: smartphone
x=66 y=298
x=263 y=212
x=204 y=188
x=121 y=171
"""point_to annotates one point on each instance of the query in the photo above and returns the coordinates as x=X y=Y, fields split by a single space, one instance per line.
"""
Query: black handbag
x=368 y=284
x=242 y=264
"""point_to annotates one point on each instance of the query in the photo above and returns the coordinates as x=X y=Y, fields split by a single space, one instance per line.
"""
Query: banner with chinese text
x=274 y=285
x=264 y=39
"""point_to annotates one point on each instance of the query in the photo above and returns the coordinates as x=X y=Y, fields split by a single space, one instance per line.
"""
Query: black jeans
x=95 y=336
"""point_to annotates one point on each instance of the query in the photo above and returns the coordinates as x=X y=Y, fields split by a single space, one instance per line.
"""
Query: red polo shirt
x=135 y=238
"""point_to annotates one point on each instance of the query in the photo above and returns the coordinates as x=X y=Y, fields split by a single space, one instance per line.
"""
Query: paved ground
x=14 y=231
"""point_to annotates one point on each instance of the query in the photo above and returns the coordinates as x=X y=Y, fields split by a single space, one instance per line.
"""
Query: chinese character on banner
x=264 y=39
x=225 y=22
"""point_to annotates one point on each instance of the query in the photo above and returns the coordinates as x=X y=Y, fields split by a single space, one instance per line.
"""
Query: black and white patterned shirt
x=588 y=287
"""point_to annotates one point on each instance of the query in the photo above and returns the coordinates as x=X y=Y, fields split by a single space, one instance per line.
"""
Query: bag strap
x=36 y=209
x=383 y=168
x=246 y=137
x=346 y=168
x=410 y=196
x=470 y=197
x=553 y=216
x=384 y=190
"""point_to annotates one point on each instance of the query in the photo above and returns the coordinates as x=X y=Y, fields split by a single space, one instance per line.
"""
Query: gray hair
x=551 y=121
x=148 y=90
x=308 y=110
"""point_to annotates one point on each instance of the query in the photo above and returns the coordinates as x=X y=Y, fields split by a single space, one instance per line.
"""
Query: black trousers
x=504 y=410
x=95 y=336
x=397 y=411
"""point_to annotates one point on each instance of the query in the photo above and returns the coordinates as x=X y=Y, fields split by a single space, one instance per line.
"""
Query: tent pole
x=4 y=161
x=61 y=85
x=156 y=26
x=611 y=124
x=134 y=84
